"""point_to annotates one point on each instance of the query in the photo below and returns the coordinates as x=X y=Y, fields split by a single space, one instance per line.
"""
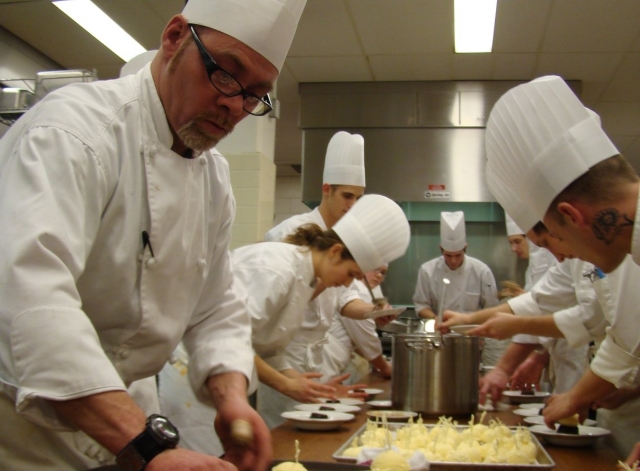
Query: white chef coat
x=347 y=336
x=471 y=287
x=278 y=280
x=304 y=352
x=540 y=260
x=618 y=357
x=85 y=307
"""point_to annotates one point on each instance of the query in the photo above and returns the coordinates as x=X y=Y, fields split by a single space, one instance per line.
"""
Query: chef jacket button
x=151 y=262
x=202 y=263
x=124 y=354
x=203 y=160
x=282 y=328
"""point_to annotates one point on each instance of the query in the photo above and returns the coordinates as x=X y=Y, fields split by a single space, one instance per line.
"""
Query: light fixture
x=474 y=24
x=101 y=27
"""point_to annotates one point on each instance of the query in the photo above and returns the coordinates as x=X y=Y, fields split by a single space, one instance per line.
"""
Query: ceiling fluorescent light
x=101 y=27
x=474 y=24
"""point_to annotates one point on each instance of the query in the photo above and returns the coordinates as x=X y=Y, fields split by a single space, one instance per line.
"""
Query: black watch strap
x=142 y=449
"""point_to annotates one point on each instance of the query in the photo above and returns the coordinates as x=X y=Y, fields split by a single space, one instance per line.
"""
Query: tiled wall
x=253 y=178
x=288 y=198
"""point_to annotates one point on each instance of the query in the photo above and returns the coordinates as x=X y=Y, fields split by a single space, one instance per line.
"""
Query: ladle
x=445 y=283
x=378 y=302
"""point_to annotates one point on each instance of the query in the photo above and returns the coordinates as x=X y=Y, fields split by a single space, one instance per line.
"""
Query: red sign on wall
x=437 y=187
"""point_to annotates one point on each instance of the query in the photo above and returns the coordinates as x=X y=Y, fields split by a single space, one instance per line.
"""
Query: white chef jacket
x=566 y=284
x=618 y=357
x=85 y=307
x=350 y=335
x=278 y=280
x=540 y=260
x=471 y=287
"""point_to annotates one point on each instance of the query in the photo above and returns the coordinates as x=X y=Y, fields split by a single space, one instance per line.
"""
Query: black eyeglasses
x=229 y=86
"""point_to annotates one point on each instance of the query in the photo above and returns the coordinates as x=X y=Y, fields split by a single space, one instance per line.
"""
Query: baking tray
x=318 y=466
x=544 y=460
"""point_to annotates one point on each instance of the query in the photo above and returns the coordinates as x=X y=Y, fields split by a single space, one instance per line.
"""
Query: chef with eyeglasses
x=115 y=222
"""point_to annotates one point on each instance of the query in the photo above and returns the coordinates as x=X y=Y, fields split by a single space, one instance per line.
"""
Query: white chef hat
x=375 y=230
x=344 y=161
x=512 y=227
x=539 y=139
x=138 y=62
x=266 y=26
x=453 y=237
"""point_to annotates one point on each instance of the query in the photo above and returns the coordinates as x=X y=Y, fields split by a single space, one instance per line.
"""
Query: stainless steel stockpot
x=434 y=374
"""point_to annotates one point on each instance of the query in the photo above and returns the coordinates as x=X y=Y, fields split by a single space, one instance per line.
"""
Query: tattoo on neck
x=608 y=224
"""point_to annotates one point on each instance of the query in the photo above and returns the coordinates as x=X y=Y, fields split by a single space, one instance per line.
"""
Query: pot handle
x=423 y=345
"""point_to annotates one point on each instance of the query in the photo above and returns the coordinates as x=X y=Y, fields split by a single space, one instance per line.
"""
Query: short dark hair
x=600 y=184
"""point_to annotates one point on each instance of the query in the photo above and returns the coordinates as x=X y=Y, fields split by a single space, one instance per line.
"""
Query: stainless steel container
x=435 y=375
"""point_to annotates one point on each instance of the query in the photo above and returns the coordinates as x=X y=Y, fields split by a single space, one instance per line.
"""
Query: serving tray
x=318 y=466
x=544 y=461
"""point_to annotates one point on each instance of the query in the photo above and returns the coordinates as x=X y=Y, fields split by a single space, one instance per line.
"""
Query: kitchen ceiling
x=594 y=41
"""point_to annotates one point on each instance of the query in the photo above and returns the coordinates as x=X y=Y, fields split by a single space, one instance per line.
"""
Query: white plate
x=392 y=415
x=348 y=401
x=539 y=420
x=587 y=436
x=369 y=391
x=336 y=407
x=462 y=329
x=516 y=397
x=533 y=405
x=303 y=419
x=384 y=312
x=527 y=412
x=384 y=404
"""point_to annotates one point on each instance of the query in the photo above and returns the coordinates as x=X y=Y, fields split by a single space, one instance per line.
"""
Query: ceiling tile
x=592 y=25
x=472 y=66
x=55 y=35
x=592 y=91
x=513 y=66
x=588 y=67
x=619 y=118
x=128 y=14
x=325 y=29
x=520 y=25
x=625 y=84
x=404 y=26
x=411 y=67
x=330 y=69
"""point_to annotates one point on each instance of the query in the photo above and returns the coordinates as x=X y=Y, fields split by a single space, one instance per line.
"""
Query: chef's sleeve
x=364 y=336
x=218 y=337
x=50 y=211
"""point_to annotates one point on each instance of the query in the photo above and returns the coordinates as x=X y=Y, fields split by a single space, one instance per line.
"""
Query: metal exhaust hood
x=424 y=141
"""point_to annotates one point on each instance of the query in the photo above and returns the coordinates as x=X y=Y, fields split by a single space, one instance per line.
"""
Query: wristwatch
x=158 y=435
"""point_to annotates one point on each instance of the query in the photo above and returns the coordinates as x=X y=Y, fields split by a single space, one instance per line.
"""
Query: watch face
x=164 y=430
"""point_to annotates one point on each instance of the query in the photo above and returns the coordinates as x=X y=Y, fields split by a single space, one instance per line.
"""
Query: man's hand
x=187 y=460
x=500 y=326
x=228 y=392
x=560 y=406
x=530 y=371
x=493 y=383
x=254 y=455
x=346 y=390
x=384 y=320
x=451 y=318
x=303 y=389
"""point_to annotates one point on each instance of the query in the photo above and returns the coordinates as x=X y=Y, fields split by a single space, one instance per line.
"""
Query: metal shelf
x=8 y=117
